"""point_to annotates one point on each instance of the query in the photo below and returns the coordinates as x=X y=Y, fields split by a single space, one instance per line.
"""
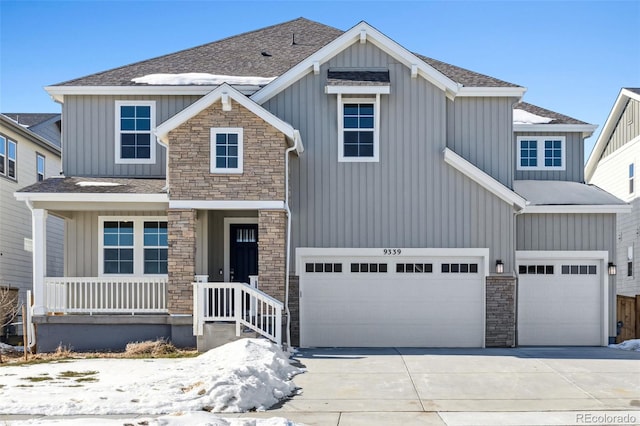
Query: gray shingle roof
x=267 y=52
x=464 y=76
x=125 y=186
x=30 y=119
x=542 y=112
x=241 y=55
x=341 y=78
x=633 y=89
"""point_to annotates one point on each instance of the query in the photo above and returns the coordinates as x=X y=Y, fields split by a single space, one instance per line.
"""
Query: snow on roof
x=88 y=183
x=554 y=193
x=521 y=116
x=199 y=78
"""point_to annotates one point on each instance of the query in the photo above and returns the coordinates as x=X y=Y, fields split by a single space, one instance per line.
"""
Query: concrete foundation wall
x=94 y=333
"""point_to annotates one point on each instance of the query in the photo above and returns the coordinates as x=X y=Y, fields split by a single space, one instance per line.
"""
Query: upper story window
x=541 y=153
x=358 y=138
x=136 y=245
x=40 y=167
x=135 y=122
x=226 y=150
x=631 y=178
x=8 y=158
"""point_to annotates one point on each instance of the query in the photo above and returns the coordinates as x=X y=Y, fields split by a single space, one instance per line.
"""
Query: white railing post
x=39 y=248
x=238 y=294
x=278 y=330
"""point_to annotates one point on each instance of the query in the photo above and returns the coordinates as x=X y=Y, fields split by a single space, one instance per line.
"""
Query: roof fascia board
x=574 y=208
x=586 y=129
x=35 y=138
x=345 y=40
x=609 y=126
x=91 y=197
x=58 y=92
x=358 y=90
x=483 y=179
x=516 y=92
x=162 y=131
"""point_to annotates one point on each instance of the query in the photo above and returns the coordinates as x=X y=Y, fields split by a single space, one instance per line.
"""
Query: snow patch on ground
x=521 y=116
x=177 y=419
x=5 y=349
x=198 y=78
x=628 y=345
x=243 y=375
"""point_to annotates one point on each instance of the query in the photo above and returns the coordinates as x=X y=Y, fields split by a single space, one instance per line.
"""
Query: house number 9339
x=391 y=252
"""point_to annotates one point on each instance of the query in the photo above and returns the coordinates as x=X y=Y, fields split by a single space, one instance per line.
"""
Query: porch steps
x=219 y=333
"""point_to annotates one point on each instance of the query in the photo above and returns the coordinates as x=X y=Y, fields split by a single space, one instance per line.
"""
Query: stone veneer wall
x=294 y=308
x=500 y=311
x=189 y=158
x=182 y=258
x=272 y=225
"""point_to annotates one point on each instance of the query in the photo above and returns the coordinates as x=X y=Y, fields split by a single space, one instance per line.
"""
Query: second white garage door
x=391 y=300
x=561 y=302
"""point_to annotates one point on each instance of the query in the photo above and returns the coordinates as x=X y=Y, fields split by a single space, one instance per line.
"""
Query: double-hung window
x=8 y=157
x=40 y=167
x=135 y=122
x=226 y=150
x=135 y=245
x=631 y=178
x=359 y=128
x=541 y=153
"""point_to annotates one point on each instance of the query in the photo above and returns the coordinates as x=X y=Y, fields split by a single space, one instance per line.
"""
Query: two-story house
x=29 y=153
x=375 y=196
x=612 y=167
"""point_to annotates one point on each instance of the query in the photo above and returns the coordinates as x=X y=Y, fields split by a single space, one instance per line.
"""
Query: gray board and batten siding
x=571 y=232
x=627 y=128
x=82 y=241
x=410 y=198
x=481 y=130
x=574 y=154
x=89 y=135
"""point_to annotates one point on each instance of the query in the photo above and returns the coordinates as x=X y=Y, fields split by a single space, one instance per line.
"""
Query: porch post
x=39 y=244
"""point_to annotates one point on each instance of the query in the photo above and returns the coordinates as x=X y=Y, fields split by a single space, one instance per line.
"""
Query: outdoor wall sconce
x=612 y=269
x=499 y=267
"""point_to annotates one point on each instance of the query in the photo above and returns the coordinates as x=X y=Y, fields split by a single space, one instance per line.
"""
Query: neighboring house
x=26 y=157
x=382 y=197
x=613 y=166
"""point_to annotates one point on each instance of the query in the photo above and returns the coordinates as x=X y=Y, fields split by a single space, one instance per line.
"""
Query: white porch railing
x=240 y=303
x=97 y=295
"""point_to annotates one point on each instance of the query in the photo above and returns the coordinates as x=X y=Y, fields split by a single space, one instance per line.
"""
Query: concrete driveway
x=406 y=386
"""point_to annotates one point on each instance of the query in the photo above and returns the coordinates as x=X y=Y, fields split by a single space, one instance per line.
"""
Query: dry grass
x=63 y=354
x=152 y=348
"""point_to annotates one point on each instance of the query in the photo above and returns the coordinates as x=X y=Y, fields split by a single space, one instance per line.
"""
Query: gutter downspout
x=296 y=141
x=166 y=164
x=31 y=331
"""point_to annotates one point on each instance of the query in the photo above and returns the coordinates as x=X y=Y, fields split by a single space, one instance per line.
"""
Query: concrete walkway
x=462 y=386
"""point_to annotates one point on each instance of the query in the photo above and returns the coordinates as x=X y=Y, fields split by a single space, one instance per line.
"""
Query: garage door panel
x=423 y=309
x=560 y=308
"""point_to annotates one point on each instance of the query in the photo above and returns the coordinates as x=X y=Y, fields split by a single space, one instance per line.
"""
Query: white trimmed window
x=135 y=122
x=226 y=150
x=541 y=153
x=40 y=167
x=8 y=158
x=358 y=129
x=135 y=245
x=631 y=178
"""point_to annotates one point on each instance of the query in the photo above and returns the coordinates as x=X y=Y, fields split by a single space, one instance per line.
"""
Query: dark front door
x=244 y=252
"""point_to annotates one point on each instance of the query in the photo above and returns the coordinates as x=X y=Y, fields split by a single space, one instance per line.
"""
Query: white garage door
x=560 y=302
x=377 y=301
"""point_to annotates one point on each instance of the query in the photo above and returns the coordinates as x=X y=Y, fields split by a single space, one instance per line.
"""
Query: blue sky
x=573 y=56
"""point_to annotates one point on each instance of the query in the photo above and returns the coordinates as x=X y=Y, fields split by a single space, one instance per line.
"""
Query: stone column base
x=500 y=311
